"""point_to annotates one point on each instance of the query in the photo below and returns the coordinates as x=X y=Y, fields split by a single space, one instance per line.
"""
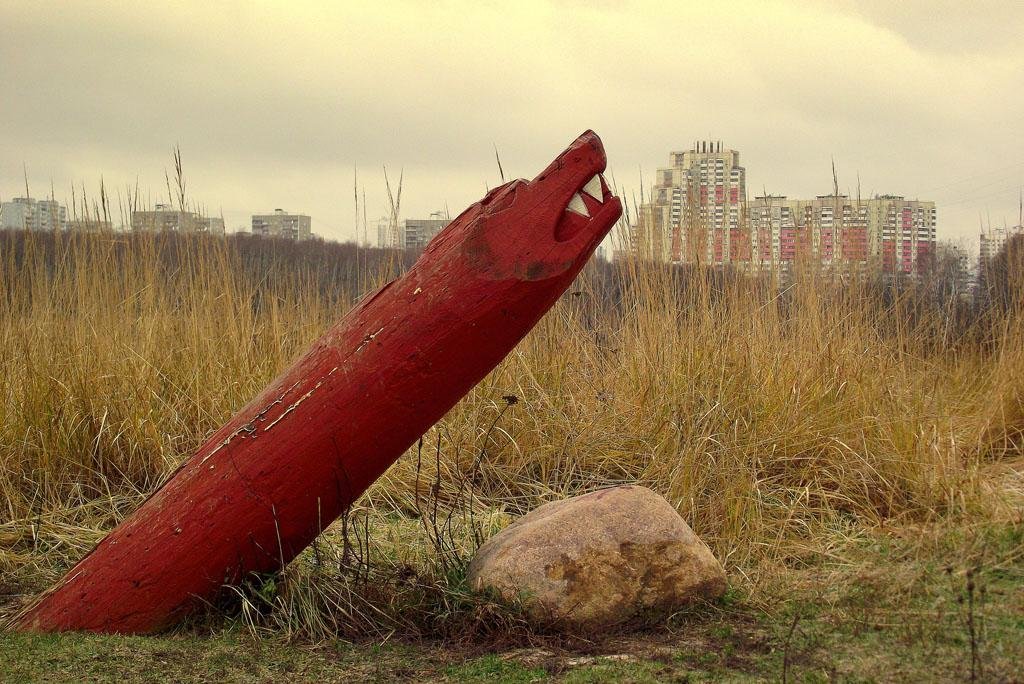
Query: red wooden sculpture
x=262 y=488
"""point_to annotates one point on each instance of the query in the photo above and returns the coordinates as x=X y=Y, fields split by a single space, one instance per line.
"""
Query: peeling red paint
x=367 y=390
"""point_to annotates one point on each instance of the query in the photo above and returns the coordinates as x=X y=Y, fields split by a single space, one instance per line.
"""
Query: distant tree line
x=338 y=273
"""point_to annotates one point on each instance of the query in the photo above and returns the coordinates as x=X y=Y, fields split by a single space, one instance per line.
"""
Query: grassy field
x=852 y=451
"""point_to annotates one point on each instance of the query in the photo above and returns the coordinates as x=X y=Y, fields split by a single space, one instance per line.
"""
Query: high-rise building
x=886 y=231
x=698 y=213
x=282 y=224
x=993 y=240
x=25 y=213
x=212 y=225
x=165 y=217
x=694 y=214
x=387 y=233
x=417 y=233
x=902 y=232
x=410 y=233
x=777 y=232
x=953 y=269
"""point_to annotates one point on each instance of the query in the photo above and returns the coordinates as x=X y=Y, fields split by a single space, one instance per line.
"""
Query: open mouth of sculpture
x=584 y=207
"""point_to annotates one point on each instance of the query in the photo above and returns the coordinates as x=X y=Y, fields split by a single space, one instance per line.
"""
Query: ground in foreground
x=892 y=610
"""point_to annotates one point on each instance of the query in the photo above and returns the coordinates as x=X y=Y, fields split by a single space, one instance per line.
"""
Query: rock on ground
x=599 y=559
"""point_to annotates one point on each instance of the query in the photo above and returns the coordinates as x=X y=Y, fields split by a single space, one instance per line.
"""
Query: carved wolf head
x=543 y=228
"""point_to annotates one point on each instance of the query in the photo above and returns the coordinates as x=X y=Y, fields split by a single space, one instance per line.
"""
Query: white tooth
x=576 y=204
x=593 y=188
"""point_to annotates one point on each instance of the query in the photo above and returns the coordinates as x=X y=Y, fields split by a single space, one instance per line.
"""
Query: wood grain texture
x=285 y=466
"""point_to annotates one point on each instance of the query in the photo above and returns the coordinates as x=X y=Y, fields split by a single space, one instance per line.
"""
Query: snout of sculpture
x=543 y=228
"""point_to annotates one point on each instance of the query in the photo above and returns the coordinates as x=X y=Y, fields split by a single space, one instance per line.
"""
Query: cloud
x=276 y=104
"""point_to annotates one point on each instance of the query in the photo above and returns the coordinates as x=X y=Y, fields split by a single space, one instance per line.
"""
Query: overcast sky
x=274 y=105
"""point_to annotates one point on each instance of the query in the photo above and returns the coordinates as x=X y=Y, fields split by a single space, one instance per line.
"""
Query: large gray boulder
x=599 y=559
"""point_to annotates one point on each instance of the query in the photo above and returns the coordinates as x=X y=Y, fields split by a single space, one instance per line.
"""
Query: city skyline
x=907 y=100
x=698 y=211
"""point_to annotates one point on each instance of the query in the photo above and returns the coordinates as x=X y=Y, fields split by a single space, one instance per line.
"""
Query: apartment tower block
x=698 y=213
x=694 y=214
x=25 y=213
x=282 y=224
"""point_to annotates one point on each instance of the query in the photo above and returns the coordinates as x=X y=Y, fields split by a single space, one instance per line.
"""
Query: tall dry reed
x=778 y=419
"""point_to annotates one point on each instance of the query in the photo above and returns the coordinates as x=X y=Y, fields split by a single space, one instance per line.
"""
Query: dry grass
x=780 y=422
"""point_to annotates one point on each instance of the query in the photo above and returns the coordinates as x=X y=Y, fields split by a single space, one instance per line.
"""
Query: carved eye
x=501 y=198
